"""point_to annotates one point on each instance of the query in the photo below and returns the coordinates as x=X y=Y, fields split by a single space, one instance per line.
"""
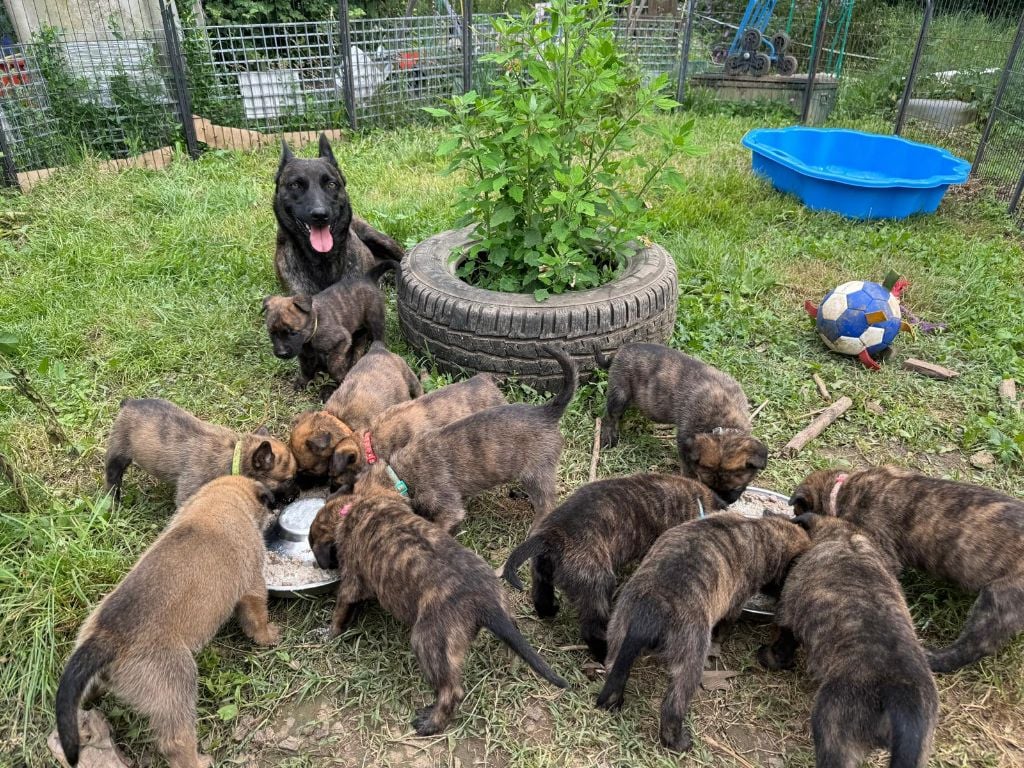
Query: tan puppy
x=176 y=447
x=971 y=535
x=842 y=601
x=707 y=406
x=139 y=641
x=378 y=381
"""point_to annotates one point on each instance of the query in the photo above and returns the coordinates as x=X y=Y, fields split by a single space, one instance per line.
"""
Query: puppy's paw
x=204 y=761
x=269 y=636
x=677 y=742
x=424 y=724
x=611 y=702
x=767 y=658
x=609 y=438
x=546 y=609
x=300 y=383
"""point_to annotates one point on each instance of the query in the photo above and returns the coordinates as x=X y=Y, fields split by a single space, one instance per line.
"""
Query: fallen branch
x=816 y=427
x=931 y=370
x=822 y=389
x=595 y=454
x=758 y=410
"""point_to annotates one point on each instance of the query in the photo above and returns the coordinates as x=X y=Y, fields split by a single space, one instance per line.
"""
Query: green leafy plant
x=561 y=153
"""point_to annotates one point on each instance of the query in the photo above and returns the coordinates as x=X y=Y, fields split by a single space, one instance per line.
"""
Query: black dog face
x=310 y=200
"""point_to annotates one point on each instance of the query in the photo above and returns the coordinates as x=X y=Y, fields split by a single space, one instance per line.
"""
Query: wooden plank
x=931 y=370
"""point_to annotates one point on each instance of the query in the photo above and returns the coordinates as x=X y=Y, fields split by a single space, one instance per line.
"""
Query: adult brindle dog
x=318 y=238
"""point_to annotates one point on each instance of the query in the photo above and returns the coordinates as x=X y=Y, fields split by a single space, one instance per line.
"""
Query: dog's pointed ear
x=690 y=449
x=263 y=457
x=340 y=461
x=758 y=458
x=304 y=303
x=801 y=501
x=326 y=153
x=266 y=305
x=808 y=521
x=319 y=442
x=286 y=157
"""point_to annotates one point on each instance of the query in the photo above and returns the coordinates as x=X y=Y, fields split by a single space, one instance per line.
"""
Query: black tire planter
x=468 y=330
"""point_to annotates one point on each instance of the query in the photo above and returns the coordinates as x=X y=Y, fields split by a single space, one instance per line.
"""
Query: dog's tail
x=912 y=712
x=380 y=269
x=604 y=363
x=533 y=546
x=498 y=622
x=643 y=633
x=570 y=380
x=87 y=660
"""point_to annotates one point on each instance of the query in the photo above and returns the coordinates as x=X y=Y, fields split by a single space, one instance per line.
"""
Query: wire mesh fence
x=129 y=80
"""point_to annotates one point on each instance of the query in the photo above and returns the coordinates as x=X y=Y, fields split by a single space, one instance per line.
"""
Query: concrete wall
x=83 y=19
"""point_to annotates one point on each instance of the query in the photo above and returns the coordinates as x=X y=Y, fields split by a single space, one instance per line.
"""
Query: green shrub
x=557 y=181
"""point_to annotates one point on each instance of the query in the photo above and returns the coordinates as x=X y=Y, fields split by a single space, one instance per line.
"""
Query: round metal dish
x=288 y=540
x=761 y=607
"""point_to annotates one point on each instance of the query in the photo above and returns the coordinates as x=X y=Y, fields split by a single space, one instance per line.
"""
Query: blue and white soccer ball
x=858 y=316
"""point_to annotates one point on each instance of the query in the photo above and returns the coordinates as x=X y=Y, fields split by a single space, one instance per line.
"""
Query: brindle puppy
x=326 y=331
x=318 y=239
x=344 y=453
x=707 y=406
x=508 y=443
x=176 y=447
x=598 y=532
x=842 y=601
x=971 y=535
x=139 y=641
x=696 y=575
x=421 y=576
x=378 y=381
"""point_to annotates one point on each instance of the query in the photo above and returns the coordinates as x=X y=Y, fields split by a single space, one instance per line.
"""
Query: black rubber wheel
x=760 y=64
x=736 y=65
x=467 y=329
x=751 y=39
x=780 y=42
x=787 y=65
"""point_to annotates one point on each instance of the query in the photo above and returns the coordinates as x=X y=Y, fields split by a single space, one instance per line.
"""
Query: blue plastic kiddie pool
x=859 y=175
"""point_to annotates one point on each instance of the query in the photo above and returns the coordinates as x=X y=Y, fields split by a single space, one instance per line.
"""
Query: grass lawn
x=149 y=284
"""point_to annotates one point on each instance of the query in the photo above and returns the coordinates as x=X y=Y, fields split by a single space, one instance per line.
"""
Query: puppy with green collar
x=174 y=446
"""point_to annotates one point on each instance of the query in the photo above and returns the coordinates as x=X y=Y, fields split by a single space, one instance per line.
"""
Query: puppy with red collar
x=968 y=534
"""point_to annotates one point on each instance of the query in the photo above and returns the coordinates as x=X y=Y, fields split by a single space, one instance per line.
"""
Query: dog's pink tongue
x=320 y=238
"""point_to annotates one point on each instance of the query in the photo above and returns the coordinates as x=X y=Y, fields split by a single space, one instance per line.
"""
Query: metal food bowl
x=288 y=539
x=761 y=607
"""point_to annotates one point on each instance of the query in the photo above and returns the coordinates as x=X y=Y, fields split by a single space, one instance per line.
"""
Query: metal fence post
x=684 y=56
x=812 y=64
x=180 y=76
x=346 y=55
x=1000 y=89
x=922 y=38
x=1017 y=191
x=467 y=45
x=10 y=170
